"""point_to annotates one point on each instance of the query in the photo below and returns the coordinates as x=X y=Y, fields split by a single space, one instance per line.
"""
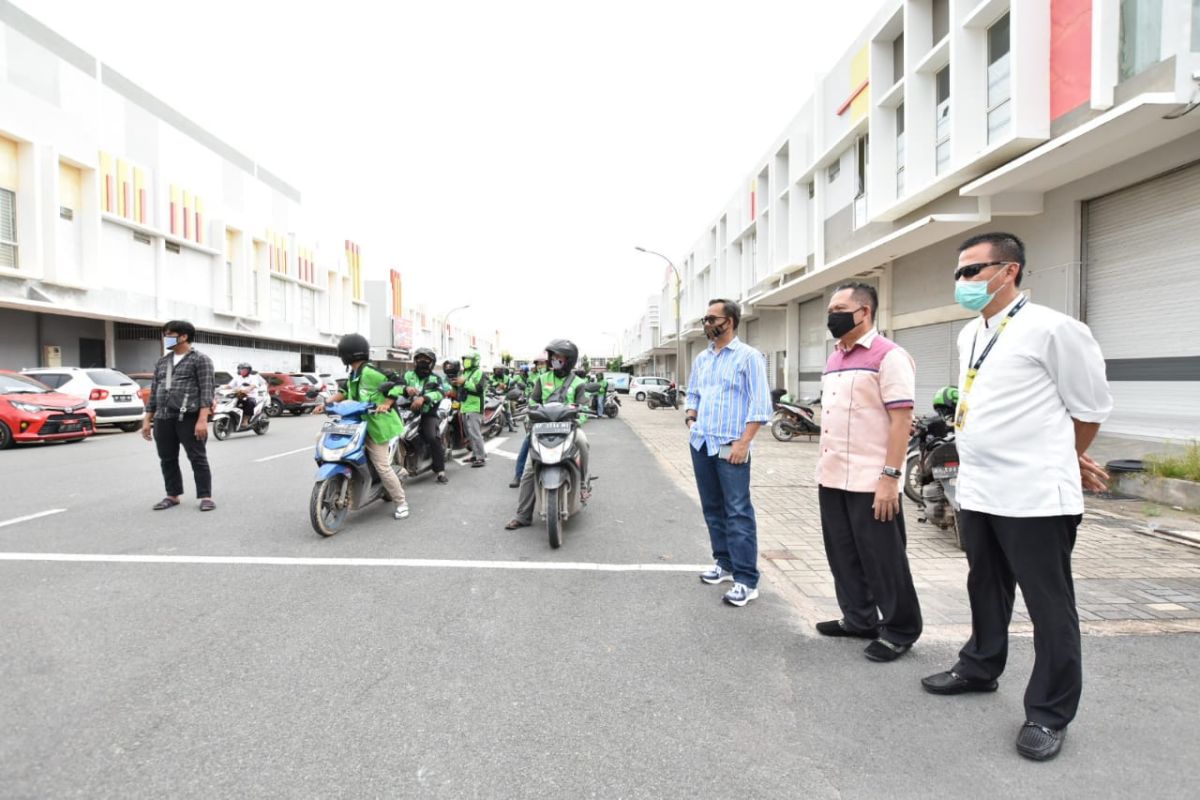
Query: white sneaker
x=716 y=575
x=740 y=594
x=401 y=511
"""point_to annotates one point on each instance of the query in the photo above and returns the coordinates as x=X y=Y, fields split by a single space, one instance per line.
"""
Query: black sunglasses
x=971 y=270
x=710 y=319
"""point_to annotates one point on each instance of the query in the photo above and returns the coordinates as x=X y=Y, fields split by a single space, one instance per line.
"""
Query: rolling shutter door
x=1140 y=274
x=934 y=348
x=812 y=346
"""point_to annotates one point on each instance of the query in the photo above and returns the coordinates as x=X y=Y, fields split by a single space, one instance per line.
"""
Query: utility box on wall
x=51 y=356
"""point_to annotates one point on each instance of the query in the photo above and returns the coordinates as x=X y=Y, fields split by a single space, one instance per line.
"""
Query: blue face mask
x=972 y=295
x=170 y=342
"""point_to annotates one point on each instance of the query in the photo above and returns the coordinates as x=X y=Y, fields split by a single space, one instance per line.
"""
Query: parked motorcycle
x=794 y=419
x=560 y=492
x=658 y=398
x=612 y=405
x=228 y=415
x=931 y=472
x=494 y=416
x=346 y=478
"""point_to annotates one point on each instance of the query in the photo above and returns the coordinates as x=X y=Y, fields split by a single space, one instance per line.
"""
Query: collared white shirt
x=1016 y=445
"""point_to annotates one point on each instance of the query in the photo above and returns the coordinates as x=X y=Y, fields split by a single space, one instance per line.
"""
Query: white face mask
x=557 y=363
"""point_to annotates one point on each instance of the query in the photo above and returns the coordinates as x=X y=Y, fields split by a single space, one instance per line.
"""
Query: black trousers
x=247 y=405
x=429 y=435
x=169 y=434
x=1034 y=552
x=869 y=563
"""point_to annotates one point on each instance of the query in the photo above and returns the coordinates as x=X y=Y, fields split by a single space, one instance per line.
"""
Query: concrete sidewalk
x=1127 y=580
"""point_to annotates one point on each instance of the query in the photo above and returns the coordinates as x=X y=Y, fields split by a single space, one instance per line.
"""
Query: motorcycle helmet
x=945 y=400
x=524 y=369
x=581 y=373
x=567 y=351
x=353 y=347
x=423 y=361
x=244 y=366
x=453 y=368
x=470 y=360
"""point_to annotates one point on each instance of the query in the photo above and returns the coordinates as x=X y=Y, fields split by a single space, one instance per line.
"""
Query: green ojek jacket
x=430 y=388
x=471 y=393
x=548 y=383
x=363 y=386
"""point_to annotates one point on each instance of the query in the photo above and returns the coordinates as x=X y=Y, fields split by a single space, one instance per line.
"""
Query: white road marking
x=492 y=447
x=38 y=515
x=308 y=449
x=282 y=561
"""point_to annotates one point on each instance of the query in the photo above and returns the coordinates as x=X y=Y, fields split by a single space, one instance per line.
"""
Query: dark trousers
x=732 y=526
x=1035 y=553
x=247 y=405
x=169 y=434
x=870 y=566
x=429 y=435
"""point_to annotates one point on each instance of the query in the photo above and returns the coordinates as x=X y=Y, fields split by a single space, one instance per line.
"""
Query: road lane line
x=38 y=515
x=286 y=561
x=307 y=449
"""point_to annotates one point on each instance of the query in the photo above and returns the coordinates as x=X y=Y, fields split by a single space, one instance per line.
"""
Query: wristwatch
x=687 y=419
x=891 y=472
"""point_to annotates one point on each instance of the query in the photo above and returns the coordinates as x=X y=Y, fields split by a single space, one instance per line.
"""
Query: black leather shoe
x=953 y=683
x=837 y=627
x=882 y=650
x=1039 y=742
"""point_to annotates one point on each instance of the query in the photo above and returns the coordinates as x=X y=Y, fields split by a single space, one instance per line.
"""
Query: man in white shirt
x=252 y=387
x=1033 y=393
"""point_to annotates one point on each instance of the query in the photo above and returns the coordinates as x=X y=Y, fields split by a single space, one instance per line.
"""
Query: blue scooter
x=346 y=478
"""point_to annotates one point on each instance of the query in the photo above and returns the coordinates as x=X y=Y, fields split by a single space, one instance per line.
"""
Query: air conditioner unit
x=52 y=355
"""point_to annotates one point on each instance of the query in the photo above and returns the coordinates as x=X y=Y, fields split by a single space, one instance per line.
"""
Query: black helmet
x=425 y=352
x=581 y=373
x=452 y=369
x=354 y=347
x=566 y=349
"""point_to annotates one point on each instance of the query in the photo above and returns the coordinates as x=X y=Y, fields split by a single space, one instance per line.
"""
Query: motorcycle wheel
x=221 y=429
x=130 y=427
x=651 y=403
x=276 y=407
x=782 y=431
x=553 y=521
x=261 y=426
x=327 y=519
x=611 y=413
x=912 y=478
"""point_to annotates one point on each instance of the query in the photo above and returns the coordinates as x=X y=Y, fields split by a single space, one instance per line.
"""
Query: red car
x=289 y=393
x=30 y=411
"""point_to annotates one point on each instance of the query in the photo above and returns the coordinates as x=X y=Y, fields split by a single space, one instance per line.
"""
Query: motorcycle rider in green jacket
x=601 y=393
x=557 y=385
x=426 y=391
x=471 y=387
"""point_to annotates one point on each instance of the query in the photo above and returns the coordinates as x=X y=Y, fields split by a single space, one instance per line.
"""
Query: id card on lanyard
x=960 y=415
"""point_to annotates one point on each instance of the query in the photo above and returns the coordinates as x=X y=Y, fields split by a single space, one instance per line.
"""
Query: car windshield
x=145 y=383
x=17 y=384
x=108 y=377
x=301 y=379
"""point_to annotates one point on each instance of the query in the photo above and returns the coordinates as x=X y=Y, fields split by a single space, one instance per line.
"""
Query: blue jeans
x=522 y=457
x=732 y=528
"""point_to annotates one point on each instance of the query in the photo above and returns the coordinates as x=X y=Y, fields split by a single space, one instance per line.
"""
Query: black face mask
x=841 y=322
x=423 y=369
x=714 y=332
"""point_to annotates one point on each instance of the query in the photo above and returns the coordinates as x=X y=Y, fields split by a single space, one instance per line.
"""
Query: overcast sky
x=509 y=155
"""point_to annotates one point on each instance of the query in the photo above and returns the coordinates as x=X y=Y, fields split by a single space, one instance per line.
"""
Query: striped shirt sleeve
x=758 y=391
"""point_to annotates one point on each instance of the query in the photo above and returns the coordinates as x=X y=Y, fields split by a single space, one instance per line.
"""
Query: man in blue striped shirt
x=728 y=400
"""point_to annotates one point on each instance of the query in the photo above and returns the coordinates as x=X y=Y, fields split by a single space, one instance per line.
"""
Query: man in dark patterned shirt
x=181 y=398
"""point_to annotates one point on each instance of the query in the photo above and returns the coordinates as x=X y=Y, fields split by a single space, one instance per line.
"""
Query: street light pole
x=446 y=329
x=678 y=315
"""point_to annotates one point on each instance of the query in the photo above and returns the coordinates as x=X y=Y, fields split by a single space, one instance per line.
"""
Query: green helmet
x=471 y=360
x=946 y=397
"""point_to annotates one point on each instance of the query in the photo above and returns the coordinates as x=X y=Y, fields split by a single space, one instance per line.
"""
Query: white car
x=112 y=395
x=643 y=383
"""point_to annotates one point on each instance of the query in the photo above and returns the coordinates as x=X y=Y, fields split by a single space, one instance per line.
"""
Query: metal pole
x=446 y=330
x=678 y=314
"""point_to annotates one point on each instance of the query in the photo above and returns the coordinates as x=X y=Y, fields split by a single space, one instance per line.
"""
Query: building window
x=898 y=58
x=278 y=299
x=862 y=160
x=8 y=229
x=941 y=20
x=308 y=307
x=1141 y=36
x=900 y=153
x=1196 y=26
x=833 y=170
x=999 y=92
x=228 y=285
x=812 y=189
x=942 y=129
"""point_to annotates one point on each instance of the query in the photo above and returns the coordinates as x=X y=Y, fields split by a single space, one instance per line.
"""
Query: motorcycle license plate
x=543 y=428
x=941 y=473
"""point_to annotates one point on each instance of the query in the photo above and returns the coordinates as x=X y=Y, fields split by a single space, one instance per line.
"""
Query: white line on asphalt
x=308 y=449
x=492 y=448
x=578 y=566
x=38 y=515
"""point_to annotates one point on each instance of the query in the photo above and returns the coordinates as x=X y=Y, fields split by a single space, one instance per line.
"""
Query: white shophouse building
x=1070 y=123
x=117 y=214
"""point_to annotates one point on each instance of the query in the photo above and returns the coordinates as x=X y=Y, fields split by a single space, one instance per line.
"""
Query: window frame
x=994 y=106
x=11 y=244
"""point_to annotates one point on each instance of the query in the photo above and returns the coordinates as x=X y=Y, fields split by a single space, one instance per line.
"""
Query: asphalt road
x=452 y=680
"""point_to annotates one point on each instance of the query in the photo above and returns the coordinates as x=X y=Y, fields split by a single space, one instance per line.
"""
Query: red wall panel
x=1070 y=55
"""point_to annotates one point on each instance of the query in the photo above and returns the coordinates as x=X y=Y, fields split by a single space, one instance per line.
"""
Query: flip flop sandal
x=514 y=524
x=164 y=504
x=207 y=505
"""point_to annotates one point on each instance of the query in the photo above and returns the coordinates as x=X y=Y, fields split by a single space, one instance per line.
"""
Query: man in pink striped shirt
x=866 y=412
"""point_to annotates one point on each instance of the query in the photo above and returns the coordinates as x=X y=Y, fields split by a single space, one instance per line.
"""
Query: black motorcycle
x=931 y=473
x=658 y=398
x=790 y=420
